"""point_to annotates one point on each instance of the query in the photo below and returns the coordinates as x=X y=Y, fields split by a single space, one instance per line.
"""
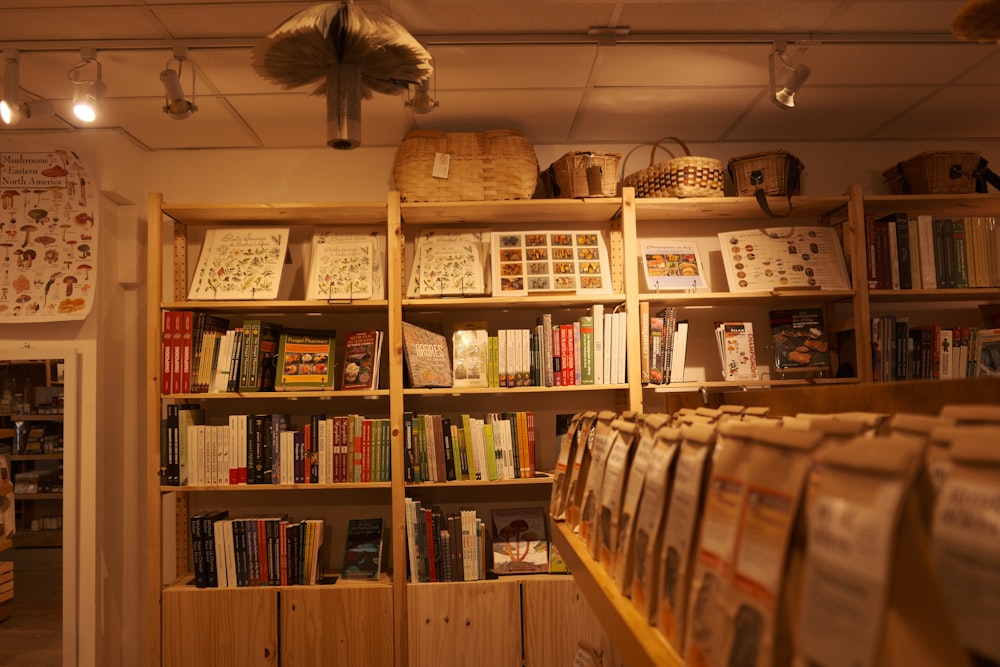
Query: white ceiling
x=698 y=70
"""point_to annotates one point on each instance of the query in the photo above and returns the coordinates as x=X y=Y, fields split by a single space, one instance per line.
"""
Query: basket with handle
x=936 y=172
x=684 y=176
x=768 y=173
x=584 y=174
x=493 y=165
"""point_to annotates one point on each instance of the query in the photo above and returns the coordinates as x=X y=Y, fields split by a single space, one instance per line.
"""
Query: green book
x=587 y=349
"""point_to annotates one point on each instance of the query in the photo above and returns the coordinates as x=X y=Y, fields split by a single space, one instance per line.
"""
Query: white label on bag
x=442 y=162
x=966 y=552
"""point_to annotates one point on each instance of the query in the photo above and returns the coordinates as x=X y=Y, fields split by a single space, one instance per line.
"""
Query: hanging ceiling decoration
x=348 y=54
x=978 y=21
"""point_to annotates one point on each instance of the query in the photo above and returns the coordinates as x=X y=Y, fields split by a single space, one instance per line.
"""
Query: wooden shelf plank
x=563 y=301
x=639 y=644
x=462 y=391
x=278 y=307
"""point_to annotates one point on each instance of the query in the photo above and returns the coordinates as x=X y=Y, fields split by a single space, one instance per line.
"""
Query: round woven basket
x=685 y=176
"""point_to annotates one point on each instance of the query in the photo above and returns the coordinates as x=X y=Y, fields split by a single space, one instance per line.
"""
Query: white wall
x=116 y=325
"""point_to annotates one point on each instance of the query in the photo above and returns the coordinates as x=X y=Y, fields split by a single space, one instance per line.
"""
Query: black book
x=210 y=549
x=449 y=452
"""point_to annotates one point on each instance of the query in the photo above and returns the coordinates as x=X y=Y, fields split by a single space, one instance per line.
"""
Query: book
x=671 y=264
x=363 y=549
x=449 y=263
x=469 y=345
x=362 y=358
x=783 y=258
x=346 y=266
x=304 y=360
x=678 y=356
x=425 y=351
x=239 y=263
x=736 y=350
x=799 y=339
x=988 y=352
x=520 y=541
x=548 y=261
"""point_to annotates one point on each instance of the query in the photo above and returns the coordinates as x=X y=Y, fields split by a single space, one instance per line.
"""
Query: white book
x=613 y=352
x=345 y=266
x=234 y=459
x=598 y=312
x=679 y=355
x=410 y=516
x=286 y=454
x=223 y=470
x=622 y=340
x=220 y=374
x=502 y=356
x=946 y=343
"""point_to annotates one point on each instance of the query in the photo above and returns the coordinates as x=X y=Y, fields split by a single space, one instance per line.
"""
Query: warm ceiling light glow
x=86 y=91
x=11 y=88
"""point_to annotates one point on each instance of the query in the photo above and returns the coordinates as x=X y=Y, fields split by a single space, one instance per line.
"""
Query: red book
x=176 y=351
x=167 y=369
x=187 y=330
x=566 y=354
x=557 y=376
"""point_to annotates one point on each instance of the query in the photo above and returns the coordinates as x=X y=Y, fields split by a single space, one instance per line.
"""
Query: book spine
x=644 y=342
x=187 y=331
x=545 y=337
x=597 y=313
x=960 y=246
x=871 y=254
x=557 y=374
x=587 y=349
x=903 y=256
x=166 y=353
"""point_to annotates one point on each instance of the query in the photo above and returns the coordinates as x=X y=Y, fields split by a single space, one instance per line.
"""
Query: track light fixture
x=87 y=89
x=176 y=105
x=422 y=102
x=9 y=105
x=785 y=98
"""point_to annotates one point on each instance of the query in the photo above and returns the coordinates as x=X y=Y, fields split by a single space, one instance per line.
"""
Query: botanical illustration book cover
x=427 y=360
x=449 y=264
x=305 y=360
x=363 y=549
x=362 y=356
x=520 y=542
x=469 y=345
x=346 y=266
x=240 y=263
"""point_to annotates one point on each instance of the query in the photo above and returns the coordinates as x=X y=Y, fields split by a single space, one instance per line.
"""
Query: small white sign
x=442 y=162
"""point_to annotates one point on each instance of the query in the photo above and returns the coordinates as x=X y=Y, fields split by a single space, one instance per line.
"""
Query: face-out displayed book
x=305 y=360
x=449 y=263
x=425 y=350
x=239 y=264
x=736 y=350
x=765 y=260
x=520 y=542
x=362 y=359
x=363 y=549
x=799 y=340
x=550 y=261
x=346 y=266
x=671 y=264
x=469 y=343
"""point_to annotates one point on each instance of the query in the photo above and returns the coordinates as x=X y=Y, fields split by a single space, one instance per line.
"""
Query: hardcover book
x=362 y=357
x=469 y=343
x=671 y=264
x=304 y=360
x=346 y=266
x=520 y=543
x=240 y=263
x=363 y=549
x=426 y=353
x=451 y=263
x=799 y=339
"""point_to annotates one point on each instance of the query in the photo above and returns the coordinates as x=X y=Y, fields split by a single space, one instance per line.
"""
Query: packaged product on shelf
x=869 y=592
x=589 y=500
x=580 y=468
x=567 y=454
x=965 y=548
x=682 y=526
x=616 y=472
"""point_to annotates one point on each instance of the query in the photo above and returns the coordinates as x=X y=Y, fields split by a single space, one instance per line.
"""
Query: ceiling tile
x=251 y=20
x=427 y=18
x=78 y=23
x=672 y=17
x=827 y=113
x=646 y=114
x=517 y=66
x=960 y=112
x=144 y=119
x=884 y=64
x=676 y=65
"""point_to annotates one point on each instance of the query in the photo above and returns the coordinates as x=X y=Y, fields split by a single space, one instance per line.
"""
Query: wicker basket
x=941 y=172
x=584 y=174
x=685 y=176
x=481 y=166
x=777 y=173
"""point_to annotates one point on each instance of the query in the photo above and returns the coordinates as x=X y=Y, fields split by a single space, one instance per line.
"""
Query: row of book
x=231 y=552
x=932 y=351
x=742 y=537
x=204 y=353
x=444 y=546
x=441 y=449
x=664 y=345
x=907 y=251
x=268 y=449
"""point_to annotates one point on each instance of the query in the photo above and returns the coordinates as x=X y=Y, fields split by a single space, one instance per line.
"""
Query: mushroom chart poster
x=48 y=237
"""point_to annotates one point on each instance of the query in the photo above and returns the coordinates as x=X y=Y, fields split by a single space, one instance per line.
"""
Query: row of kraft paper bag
x=849 y=540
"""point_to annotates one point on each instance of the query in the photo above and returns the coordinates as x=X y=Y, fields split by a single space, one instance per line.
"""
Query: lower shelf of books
x=635 y=639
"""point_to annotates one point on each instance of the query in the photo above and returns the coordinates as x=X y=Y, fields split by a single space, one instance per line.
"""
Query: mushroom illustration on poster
x=48 y=237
